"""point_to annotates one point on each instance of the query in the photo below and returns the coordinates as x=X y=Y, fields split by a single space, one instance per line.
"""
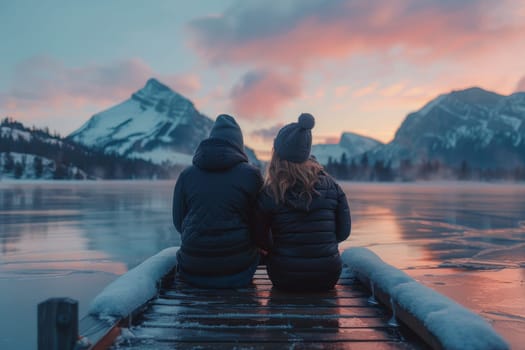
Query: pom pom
x=306 y=121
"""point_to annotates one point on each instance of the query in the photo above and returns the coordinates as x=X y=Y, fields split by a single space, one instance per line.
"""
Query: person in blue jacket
x=302 y=214
x=213 y=209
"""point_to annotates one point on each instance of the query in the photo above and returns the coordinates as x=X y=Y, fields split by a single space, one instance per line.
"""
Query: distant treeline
x=362 y=169
x=71 y=160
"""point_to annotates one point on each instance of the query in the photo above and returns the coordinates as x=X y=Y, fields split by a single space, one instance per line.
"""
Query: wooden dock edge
x=403 y=315
x=101 y=332
x=99 y=329
x=414 y=322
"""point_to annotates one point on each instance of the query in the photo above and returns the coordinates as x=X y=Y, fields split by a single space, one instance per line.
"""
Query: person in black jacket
x=302 y=214
x=213 y=209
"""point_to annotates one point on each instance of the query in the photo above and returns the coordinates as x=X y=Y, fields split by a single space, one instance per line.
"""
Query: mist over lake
x=466 y=240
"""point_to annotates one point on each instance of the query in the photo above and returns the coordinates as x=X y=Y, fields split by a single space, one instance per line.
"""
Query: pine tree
x=19 y=170
x=464 y=171
x=353 y=170
x=38 y=167
x=9 y=162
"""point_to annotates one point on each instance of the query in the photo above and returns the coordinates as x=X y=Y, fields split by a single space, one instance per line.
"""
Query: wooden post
x=57 y=324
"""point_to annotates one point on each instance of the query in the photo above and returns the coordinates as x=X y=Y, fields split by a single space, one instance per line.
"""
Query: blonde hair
x=283 y=175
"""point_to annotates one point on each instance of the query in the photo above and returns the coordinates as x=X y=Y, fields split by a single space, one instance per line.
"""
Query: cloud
x=341 y=91
x=43 y=82
x=303 y=34
x=330 y=139
x=261 y=93
x=521 y=85
x=393 y=90
x=366 y=90
x=300 y=32
x=267 y=134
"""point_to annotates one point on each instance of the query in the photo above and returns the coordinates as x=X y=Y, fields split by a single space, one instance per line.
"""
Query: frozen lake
x=466 y=240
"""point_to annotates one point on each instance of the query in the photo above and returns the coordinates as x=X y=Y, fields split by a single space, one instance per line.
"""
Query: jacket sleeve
x=262 y=224
x=179 y=203
x=343 y=219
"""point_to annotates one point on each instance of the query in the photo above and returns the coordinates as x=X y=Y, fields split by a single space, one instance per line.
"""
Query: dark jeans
x=238 y=280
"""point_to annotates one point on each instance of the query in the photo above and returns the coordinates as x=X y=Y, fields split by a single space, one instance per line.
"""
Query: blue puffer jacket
x=213 y=206
x=302 y=240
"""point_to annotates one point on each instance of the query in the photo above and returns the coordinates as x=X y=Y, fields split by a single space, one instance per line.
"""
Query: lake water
x=466 y=240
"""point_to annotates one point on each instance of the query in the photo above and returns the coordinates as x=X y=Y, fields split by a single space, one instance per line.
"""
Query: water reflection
x=465 y=240
x=67 y=238
x=447 y=221
x=127 y=221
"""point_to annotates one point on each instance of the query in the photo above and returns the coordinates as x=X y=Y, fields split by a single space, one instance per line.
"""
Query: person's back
x=302 y=215
x=212 y=209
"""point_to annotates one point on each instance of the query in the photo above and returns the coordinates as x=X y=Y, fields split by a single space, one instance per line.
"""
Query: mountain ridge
x=156 y=123
x=350 y=145
x=474 y=125
x=463 y=129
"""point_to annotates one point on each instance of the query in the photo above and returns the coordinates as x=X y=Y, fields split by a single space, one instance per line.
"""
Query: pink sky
x=355 y=65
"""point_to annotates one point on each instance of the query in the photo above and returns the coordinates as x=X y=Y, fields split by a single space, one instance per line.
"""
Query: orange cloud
x=341 y=91
x=367 y=90
x=261 y=93
x=393 y=90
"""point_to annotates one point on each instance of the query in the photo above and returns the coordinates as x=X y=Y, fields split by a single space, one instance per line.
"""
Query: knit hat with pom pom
x=294 y=141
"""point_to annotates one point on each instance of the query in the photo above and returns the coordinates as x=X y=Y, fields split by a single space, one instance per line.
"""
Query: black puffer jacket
x=213 y=206
x=303 y=240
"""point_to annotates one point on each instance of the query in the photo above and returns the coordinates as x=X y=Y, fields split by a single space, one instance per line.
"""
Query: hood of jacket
x=214 y=154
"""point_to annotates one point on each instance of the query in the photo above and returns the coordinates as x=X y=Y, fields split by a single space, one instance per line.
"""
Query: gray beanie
x=294 y=141
x=226 y=128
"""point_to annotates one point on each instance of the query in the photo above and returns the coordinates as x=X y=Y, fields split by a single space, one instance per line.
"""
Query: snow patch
x=15 y=133
x=161 y=156
x=513 y=122
x=28 y=167
x=136 y=287
x=455 y=326
x=429 y=106
x=452 y=324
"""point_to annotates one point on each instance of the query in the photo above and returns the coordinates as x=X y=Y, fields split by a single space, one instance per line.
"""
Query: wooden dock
x=261 y=317
x=149 y=308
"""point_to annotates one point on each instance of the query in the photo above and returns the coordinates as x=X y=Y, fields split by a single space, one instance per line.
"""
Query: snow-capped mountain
x=483 y=128
x=350 y=144
x=156 y=124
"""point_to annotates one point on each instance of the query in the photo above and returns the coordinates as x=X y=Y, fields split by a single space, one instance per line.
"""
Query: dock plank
x=261 y=321
x=267 y=311
x=261 y=317
x=251 y=302
x=219 y=335
x=365 y=345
